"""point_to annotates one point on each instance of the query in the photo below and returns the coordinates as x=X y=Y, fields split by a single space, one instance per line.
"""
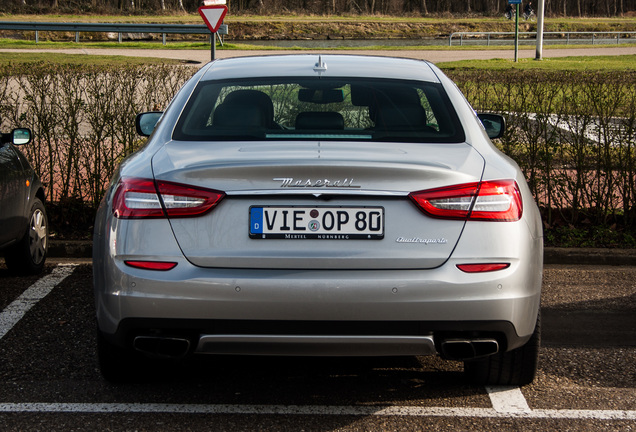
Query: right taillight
x=137 y=198
x=498 y=200
x=482 y=268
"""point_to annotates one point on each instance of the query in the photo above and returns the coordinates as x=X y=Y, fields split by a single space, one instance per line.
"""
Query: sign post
x=540 y=16
x=516 y=3
x=213 y=17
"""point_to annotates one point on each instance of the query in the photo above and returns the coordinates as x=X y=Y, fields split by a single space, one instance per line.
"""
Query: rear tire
x=517 y=367
x=29 y=254
x=117 y=364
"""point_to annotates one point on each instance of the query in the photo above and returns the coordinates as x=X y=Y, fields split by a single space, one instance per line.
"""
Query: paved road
x=436 y=56
x=49 y=379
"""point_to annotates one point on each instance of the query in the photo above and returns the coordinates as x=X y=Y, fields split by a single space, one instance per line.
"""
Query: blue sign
x=514 y=1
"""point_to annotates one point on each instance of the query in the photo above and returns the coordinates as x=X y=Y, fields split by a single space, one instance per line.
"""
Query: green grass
x=24 y=44
x=205 y=45
x=57 y=58
x=592 y=63
x=583 y=63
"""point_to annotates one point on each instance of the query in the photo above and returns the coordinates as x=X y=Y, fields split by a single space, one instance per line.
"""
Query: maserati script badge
x=291 y=182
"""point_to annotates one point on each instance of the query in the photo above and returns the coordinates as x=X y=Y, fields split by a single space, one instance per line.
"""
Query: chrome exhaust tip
x=162 y=347
x=467 y=349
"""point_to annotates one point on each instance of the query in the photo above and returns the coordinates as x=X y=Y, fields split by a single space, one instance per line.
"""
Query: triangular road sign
x=213 y=16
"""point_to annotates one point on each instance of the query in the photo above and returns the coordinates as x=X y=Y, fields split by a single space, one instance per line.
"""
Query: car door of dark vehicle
x=13 y=194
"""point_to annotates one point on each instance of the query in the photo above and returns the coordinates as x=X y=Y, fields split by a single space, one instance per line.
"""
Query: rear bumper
x=177 y=338
x=342 y=312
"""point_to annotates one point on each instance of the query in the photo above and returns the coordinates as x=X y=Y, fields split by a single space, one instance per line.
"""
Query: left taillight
x=498 y=200
x=137 y=198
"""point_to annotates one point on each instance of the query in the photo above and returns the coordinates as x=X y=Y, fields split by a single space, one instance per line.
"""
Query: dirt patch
x=245 y=30
x=298 y=30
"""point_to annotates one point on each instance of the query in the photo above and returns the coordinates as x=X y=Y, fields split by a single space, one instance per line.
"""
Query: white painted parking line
x=507 y=399
x=507 y=402
x=380 y=411
x=36 y=292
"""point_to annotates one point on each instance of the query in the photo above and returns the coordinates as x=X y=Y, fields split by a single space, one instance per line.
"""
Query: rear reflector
x=498 y=200
x=143 y=198
x=482 y=268
x=152 y=265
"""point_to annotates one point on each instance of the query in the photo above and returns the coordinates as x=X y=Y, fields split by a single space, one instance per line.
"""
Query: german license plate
x=321 y=223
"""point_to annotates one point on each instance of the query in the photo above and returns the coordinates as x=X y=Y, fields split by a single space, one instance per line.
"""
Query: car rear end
x=353 y=216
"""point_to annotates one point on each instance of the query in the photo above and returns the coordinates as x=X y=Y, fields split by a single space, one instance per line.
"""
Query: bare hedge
x=82 y=117
x=573 y=134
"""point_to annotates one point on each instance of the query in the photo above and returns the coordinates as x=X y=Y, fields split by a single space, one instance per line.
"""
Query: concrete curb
x=589 y=256
x=552 y=255
x=70 y=249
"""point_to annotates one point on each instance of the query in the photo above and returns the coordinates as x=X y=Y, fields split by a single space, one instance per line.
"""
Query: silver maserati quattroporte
x=310 y=205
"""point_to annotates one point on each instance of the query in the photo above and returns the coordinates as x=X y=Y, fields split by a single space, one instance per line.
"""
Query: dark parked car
x=23 y=221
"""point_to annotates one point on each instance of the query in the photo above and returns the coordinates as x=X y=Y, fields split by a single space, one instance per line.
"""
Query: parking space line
x=36 y=292
x=507 y=402
x=506 y=399
x=379 y=411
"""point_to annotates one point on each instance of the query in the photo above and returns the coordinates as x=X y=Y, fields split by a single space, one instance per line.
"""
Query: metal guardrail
x=164 y=29
x=562 y=36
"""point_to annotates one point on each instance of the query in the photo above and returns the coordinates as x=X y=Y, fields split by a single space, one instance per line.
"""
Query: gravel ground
x=436 y=56
x=49 y=357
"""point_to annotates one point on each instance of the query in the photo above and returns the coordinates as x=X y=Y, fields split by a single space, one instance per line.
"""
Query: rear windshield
x=319 y=109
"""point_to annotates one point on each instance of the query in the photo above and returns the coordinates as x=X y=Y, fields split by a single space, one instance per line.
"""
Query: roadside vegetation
x=571 y=128
x=571 y=121
x=424 y=8
x=26 y=58
x=323 y=27
x=582 y=63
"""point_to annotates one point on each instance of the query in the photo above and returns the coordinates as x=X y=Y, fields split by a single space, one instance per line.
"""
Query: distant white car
x=320 y=205
x=23 y=220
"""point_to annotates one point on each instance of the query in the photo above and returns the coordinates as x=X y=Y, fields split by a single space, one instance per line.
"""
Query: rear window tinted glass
x=324 y=109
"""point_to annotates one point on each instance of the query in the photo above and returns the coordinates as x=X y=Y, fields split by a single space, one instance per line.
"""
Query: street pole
x=213 y=47
x=540 y=14
x=517 y=34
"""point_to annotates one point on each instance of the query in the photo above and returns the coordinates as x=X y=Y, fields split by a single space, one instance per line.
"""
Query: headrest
x=252 y=97
x=230 y=114
x=400 y=117
x=320 y=120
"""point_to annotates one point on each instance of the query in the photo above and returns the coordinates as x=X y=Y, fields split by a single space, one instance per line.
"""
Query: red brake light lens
x=143 y=198
x=486 y=201
x=481 y=268
x=152 y=265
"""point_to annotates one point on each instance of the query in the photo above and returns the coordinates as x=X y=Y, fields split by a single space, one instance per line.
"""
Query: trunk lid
x=331 y=181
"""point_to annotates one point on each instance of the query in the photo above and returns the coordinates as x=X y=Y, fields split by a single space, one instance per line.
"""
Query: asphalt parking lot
x=49 y=378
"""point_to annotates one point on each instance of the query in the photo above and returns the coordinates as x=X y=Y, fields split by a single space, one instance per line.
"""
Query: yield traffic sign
x=213 y=16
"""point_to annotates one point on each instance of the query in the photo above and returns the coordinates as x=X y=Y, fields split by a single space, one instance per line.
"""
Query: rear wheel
x=117 y=364
x=29 y=254
x=516 y=367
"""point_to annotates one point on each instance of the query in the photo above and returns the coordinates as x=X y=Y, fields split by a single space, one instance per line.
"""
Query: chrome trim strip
x=317 y=345
x=318 y=192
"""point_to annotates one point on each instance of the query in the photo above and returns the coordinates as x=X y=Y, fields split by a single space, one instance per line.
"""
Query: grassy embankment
x=604 y=63
x=246 y=28
x=570 y=236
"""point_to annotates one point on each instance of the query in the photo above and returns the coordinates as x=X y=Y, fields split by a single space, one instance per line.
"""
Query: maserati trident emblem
x=290 y=182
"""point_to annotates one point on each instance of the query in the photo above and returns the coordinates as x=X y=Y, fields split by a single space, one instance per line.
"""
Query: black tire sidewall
x=19 y=258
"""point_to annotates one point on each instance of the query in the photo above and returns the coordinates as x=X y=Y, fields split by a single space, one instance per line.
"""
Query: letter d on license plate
x=322 y=223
